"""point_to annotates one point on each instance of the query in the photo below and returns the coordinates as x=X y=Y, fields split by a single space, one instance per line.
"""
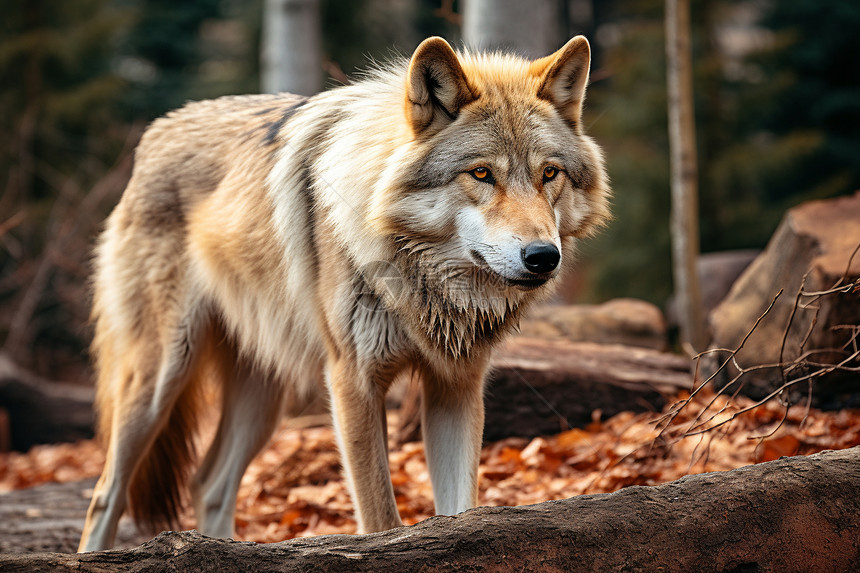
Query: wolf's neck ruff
x=458 y=307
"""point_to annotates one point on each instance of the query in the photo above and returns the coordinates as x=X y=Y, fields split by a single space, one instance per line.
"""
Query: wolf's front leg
x=453 y=425
x=358 y=412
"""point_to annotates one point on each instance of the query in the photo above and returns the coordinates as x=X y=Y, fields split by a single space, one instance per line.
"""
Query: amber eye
x=482 y=174
x=549 y=173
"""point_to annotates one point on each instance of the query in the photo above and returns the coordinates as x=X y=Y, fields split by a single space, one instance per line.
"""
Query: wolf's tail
x=158 y=491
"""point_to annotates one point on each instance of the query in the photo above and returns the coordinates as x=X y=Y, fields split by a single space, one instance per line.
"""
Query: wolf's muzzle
x=540 y=257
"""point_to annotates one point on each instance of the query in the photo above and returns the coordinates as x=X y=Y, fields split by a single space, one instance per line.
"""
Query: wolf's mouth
x=522 y=284
x=526 y=284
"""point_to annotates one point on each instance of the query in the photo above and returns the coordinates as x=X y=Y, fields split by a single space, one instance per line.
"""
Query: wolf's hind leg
x=143 y=399
x=251 y=410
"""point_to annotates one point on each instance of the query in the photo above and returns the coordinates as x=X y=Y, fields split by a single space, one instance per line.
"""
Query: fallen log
x=793 y=514
x=539 y=387
x=42 y=412
x=536 y=387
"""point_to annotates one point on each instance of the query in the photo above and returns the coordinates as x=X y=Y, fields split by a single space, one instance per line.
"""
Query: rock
x=621 y=321
x=817 y=238
x=718 y=271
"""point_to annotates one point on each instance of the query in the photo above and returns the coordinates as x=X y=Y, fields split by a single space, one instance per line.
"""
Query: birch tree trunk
x=530 y=29
x=291 y=55
x=684 y=174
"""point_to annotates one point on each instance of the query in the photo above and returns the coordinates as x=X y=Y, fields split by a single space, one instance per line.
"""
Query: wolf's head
x=489 y=187
x=499 y=173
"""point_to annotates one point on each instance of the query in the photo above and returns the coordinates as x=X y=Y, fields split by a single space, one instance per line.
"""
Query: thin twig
x=12 y=222
x=803 y=368
x=672 y=414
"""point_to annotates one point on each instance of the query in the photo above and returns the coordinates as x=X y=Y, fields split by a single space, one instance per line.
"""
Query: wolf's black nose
x=541 y=257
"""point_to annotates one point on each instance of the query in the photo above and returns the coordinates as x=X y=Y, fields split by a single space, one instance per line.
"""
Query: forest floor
x=294 y=488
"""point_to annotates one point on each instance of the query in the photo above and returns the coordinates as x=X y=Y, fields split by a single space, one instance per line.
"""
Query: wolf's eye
x=549 y=173
x=482 y=174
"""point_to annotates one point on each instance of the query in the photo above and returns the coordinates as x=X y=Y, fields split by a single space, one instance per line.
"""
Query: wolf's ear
x=436 y=86
x=565 y=77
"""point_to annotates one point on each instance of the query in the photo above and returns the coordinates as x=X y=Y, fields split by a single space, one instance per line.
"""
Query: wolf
x=280 y=246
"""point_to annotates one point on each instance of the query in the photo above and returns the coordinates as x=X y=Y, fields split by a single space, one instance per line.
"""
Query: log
x=539 y=387
x=793 y=514
x=42 y=412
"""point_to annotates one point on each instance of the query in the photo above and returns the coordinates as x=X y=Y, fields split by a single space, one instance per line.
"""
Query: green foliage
x=189 y=50
x=775 y=129
x=357 y=33
x=627 y=113
x=55 y=79
x=800 y=112
x=78 y=80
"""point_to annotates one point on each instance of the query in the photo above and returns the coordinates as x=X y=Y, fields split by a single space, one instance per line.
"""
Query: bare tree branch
x=806 y=368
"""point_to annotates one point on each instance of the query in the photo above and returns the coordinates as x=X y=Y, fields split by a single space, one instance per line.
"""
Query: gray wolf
x=254 y=248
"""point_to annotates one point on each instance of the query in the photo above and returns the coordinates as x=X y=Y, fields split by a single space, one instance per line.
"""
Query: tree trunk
x=530 y=29
x=793 y=514
x=291 y=54
x=684 y=174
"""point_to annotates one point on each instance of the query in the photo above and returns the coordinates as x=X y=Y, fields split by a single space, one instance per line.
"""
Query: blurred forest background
x=777 y=89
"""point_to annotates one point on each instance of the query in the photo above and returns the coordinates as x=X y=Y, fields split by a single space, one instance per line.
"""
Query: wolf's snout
x=541 y=257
